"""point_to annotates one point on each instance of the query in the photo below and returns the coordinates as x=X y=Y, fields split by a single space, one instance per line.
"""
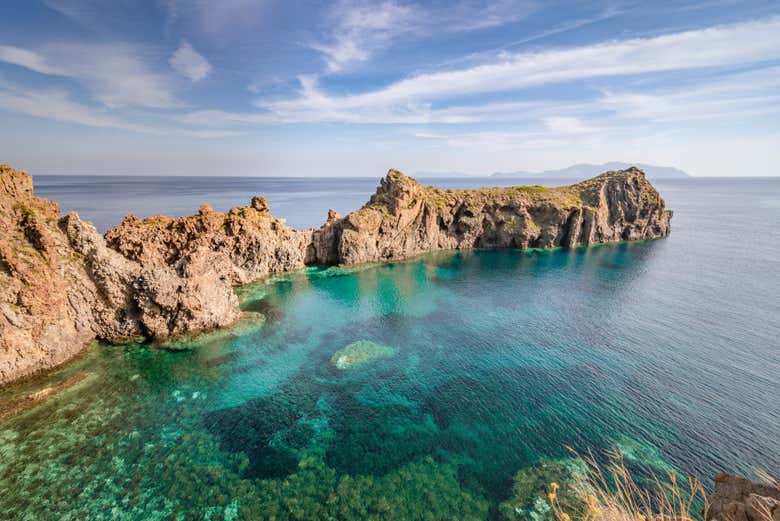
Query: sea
x=455 y=385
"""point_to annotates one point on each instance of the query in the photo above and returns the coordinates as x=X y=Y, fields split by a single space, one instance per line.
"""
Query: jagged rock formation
x=241 y=245
x=739 y=499
x=63 y=285
x=404 y=218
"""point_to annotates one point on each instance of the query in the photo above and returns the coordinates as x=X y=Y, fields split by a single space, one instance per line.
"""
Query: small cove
x=499 y=359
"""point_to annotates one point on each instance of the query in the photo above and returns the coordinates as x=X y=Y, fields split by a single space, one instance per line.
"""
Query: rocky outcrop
x=63 y=285
x=404 y=218
x=241 y=245
x=36 y=328
x=739 y=499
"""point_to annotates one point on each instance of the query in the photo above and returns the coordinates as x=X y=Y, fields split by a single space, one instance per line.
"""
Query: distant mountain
x=585 y=171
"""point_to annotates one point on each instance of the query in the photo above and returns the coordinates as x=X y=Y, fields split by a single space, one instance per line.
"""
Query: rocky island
x=63 y=285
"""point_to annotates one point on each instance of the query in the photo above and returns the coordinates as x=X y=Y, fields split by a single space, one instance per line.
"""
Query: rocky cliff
x=63 y=285
x=404 y=218
x=739 y=499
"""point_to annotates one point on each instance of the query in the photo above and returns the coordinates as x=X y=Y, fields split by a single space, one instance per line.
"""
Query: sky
x=355 y=87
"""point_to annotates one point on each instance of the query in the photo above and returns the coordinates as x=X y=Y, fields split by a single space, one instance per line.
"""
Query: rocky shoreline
x=64 y=285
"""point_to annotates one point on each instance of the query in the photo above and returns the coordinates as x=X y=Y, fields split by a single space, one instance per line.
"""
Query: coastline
x=162 y=277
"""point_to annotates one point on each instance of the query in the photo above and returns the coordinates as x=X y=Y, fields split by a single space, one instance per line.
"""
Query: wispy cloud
x=220 y=20
x=56 y=105
x=360 y=28
x=116 y=74
x=568 y=125
x=189 y=63
x=741 y=94
x=749 y=42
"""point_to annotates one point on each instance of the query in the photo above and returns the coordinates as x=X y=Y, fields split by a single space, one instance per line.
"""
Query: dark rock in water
x=739 y=499
x=377 y=440
x=222 y=359
x=271 y=313
x=268 y=430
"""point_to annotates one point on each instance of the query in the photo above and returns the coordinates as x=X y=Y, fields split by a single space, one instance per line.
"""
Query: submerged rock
x=12 y=407
x=533 y=486
x=359 y=353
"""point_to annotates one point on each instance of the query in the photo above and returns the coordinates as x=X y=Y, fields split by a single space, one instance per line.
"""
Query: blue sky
x=354 y=87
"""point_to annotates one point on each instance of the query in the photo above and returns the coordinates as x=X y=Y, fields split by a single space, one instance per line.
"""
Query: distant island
x=584 y=171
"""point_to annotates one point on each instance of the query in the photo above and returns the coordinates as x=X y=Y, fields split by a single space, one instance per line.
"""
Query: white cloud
x=738 y=44
x=739 y=95
x=360 y=28
x=27 y=59
x=567 y=125
x=54 y=104
x=189 y=63
x=117 y=74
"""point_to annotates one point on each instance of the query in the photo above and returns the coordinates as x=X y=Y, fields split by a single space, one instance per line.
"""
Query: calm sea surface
x=479 y=367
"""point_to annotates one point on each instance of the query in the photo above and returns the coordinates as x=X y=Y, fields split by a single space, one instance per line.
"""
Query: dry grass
x=610 y=493
x=766 y=478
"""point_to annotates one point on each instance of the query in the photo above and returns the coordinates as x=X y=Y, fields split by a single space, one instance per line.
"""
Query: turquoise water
x=469 y=368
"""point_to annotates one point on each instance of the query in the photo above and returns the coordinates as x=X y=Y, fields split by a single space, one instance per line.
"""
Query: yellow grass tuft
x=610 y=493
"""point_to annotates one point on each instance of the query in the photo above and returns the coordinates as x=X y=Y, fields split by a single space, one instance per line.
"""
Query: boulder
x=739 y=499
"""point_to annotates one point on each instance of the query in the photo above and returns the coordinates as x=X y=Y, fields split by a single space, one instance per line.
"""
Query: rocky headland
x=404 y=218
x=63 y=285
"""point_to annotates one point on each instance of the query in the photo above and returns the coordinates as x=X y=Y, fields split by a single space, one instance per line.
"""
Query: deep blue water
x=481 y=365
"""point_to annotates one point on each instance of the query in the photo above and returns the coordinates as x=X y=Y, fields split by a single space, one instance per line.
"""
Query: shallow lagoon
x=491 y=363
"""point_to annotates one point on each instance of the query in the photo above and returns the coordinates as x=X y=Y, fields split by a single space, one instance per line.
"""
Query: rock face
x=36 y=327
x=404 y=218
x=239 y=246
x=739 y=499
x=62 y=285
